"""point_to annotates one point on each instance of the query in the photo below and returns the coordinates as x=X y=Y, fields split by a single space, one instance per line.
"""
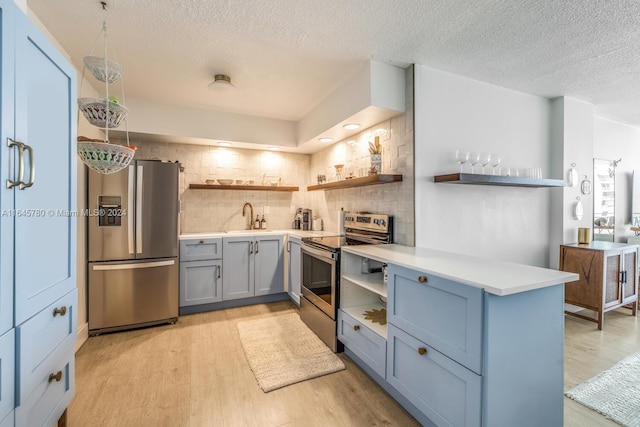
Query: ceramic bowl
x=225 y=181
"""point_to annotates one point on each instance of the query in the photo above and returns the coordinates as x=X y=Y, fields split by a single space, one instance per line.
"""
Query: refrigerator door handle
x=130 y=266
x=130 y=205
x=139 y=210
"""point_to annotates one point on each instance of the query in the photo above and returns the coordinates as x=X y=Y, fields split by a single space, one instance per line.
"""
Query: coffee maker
x=303 y=219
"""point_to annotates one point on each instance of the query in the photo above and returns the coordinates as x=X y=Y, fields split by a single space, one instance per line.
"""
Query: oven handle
x=318 y=252
x=367 y=239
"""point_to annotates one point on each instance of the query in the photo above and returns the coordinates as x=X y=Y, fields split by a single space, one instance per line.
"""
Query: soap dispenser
x=263 y=223
x=256 y=224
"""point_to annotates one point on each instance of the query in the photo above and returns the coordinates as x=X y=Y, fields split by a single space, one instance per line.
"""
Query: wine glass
x=474 y=158
x=495 y=161
x=484 y=159
x=462 y=157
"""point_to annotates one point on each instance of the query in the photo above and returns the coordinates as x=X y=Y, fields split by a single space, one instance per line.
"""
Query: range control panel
x=367 y=221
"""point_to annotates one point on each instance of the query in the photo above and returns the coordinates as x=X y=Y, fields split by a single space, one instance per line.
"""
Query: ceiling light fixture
x=222 y=83
x=325 y=139
x=351 y=126
x=224 y=144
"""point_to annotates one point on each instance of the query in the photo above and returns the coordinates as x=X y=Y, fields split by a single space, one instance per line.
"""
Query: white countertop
x=495 y=277
x=215 y=234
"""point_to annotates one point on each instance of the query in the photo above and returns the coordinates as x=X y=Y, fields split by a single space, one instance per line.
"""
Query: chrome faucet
x=250 y=214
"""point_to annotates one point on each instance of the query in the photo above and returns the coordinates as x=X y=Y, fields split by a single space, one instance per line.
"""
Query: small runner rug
x=282 y=350
x=615 y=393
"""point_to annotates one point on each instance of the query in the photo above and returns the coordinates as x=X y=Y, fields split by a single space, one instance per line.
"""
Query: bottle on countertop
x=263 y=223
x=256 y=224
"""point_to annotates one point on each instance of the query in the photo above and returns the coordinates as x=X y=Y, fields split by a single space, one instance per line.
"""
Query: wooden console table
x=608 y=277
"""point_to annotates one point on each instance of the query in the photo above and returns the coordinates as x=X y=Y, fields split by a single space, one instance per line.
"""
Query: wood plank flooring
x=195 y=374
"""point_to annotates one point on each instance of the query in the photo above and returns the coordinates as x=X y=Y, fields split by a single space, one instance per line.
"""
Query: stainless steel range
x=321 y=270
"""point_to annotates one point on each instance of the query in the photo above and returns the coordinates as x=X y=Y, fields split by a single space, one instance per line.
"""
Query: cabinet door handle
x=251 y=247
x=288 y=246
x=61 y=311
x=201 y=242
x=356 y=327
x=422 y=351
x=57 y=377
x=32 y=168
x=422 y=279
x=256 y=246
x=11 y=143
x=219 y=271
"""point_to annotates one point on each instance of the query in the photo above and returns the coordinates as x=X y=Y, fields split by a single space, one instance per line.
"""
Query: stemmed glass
x=474 y=158
x=484 y=159
x=495 y=161
x=462 y=157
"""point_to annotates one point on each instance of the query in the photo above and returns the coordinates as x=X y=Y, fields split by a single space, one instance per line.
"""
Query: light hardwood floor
x=195 y=374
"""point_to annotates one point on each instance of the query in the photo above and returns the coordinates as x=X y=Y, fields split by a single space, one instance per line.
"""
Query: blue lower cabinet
x=445 y=391
x=51 y=396
x=9 y=420
x=200 y=282
x=370 y=347
x=7 y=374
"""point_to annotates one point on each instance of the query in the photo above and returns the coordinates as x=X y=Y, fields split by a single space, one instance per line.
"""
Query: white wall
x=612 y=141
x=506 y=223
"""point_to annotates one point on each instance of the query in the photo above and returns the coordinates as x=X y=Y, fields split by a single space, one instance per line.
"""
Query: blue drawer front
x=446 y=392
x=200 y=249
x=370 y=347
x=444 y=314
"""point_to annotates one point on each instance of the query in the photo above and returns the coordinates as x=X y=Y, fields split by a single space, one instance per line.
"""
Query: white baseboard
x=83 y=335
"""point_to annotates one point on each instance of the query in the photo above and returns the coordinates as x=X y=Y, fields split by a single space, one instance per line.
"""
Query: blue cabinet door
x=7 y=52
x=269 y=265
x=445 y=391
x=237 y=267
x=200 y=282
x=295 y=257
x=45 y=120
x=7 y=373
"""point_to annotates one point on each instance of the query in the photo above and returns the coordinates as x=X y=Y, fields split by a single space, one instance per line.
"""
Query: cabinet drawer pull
x=422 y=279
x=422 y=351
x=356 y=327
x=57 y=376
x=201 y=242
x=219 y=271
x=61 y=311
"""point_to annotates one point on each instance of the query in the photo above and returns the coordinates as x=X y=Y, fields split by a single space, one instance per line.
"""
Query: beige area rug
x=615 y=393
x=282 y=350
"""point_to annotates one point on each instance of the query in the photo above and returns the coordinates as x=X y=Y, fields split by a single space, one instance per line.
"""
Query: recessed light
x=224 y=144
x=274 y=148
x=325 y=139
x=351 y=126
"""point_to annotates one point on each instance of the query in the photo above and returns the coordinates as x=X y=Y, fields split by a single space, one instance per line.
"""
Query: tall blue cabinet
x=38 y=296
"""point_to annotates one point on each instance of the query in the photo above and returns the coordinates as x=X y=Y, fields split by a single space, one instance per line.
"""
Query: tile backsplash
x=221 y=210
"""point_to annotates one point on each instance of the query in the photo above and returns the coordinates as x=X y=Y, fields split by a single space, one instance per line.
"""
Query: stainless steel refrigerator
x=132 y=234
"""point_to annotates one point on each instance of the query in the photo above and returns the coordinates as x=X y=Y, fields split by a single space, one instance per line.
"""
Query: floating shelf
x=357 y=182
x=242 y=187
x=511 y=181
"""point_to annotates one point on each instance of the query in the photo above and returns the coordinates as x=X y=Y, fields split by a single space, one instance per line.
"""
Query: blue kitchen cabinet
x=7 y=376
x=200 y=271
x=252 y=266
x=7 y=113
x=200 y=282
x=294 y=268
x=269 y=264
x=38 y=294
x=45 y=120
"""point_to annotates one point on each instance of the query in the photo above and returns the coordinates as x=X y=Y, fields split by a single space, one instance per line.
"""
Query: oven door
x=320 y=278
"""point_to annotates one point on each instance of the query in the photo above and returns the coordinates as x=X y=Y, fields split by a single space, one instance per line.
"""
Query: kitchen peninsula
x=469 y=341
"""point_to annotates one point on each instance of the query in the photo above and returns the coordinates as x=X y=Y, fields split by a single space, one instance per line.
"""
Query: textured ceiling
x=286 y=56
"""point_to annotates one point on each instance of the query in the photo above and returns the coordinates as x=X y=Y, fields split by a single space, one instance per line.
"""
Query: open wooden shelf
x=511 y=181
x=357 y=182
x=242 y=187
